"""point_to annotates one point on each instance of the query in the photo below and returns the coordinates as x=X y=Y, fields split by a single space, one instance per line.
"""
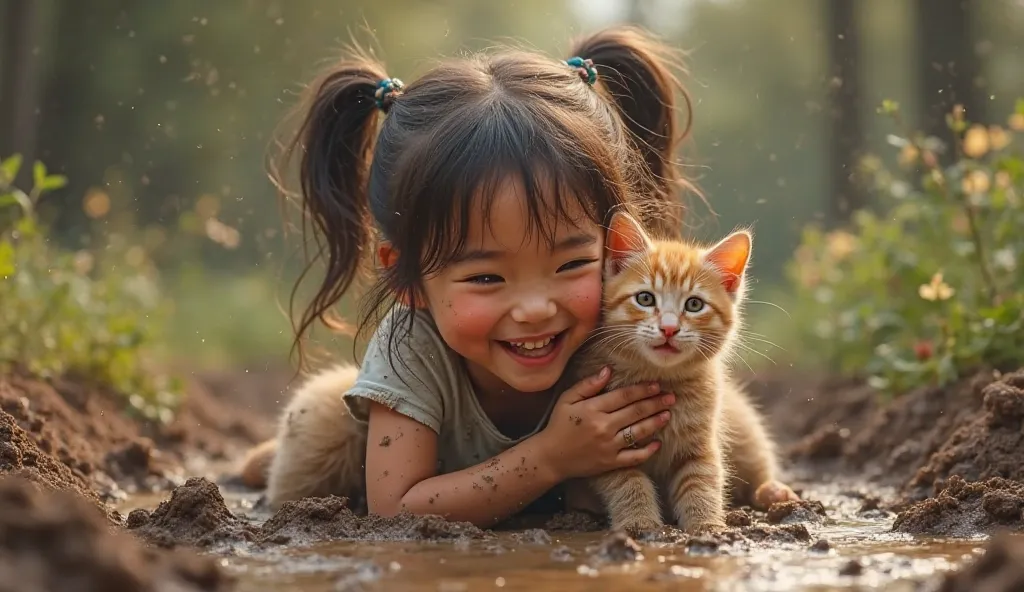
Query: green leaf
x=8 y=199
x=52 y=182
x=1019 y=109
x=39 y=174
x=9 y=168
x=6 y=259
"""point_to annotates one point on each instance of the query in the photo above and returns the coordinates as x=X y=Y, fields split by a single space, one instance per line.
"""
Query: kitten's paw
x=773 y=492
x=638 y=526
x=712 y=527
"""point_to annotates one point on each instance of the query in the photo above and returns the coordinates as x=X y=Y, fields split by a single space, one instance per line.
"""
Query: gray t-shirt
x=428 y=383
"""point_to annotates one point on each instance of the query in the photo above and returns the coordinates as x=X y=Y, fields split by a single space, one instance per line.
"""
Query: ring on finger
x=627 y=435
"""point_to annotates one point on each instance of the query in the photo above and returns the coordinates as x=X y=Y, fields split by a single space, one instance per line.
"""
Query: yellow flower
x=1003 y=180
x=1016 y=122
x=976 y=141
x=841 y=244
x=908 y=155
x=975 y=182
x=936 y=289
x=998 y=138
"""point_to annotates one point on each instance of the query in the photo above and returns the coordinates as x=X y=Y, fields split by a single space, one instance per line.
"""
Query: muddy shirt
x=428 y=383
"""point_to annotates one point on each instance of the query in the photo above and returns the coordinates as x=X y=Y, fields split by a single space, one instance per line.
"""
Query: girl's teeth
x=532 y=344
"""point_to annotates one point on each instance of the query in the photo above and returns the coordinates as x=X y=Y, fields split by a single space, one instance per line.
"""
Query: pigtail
x=335 y=142
x=635 y=72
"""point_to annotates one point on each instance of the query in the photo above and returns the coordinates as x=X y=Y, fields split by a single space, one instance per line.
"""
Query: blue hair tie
x=585 y=68
x=387 y=90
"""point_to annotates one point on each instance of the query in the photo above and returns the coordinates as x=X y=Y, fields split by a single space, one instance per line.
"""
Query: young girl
x=484 y=189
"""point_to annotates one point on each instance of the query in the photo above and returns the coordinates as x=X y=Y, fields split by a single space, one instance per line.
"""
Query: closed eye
x=485 y=279
x=576 y=264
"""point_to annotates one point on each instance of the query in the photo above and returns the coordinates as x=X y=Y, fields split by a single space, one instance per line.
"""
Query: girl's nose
x=534 y=310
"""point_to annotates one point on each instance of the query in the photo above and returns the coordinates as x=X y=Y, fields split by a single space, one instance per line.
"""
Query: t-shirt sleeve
x=411 y=379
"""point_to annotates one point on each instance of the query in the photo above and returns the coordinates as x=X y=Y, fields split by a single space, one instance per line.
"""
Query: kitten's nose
x=669 y=324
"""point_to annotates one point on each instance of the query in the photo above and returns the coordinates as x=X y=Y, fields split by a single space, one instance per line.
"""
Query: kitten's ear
x=625 y=239
x=730 y=257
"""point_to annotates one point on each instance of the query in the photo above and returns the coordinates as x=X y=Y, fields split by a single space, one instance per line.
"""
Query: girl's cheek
x=469 y=316
x=584 y=301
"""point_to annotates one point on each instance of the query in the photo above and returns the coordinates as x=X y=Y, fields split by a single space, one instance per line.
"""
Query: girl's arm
x=583 y=437
x=401 y=474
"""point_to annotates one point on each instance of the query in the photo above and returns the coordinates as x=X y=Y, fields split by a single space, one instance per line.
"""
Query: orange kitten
x=670 y=313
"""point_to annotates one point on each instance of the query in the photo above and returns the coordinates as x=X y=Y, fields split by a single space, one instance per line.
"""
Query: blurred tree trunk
x=19 y=82
x=846 y=126
x=948 y=67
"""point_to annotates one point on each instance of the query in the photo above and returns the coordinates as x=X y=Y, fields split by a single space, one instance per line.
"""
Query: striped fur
x=715 y=445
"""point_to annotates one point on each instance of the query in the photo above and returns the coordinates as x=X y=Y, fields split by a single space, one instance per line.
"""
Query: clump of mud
x=194 y=516
x=965 y=509
x=55 y=541
x=329 y=518
x=990 y=444
x=1000 y=569
x=796 y=512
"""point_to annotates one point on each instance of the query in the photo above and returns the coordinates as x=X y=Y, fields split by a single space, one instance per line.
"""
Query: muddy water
x=860 y=554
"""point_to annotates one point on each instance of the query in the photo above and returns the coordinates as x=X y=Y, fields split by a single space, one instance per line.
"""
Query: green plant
x=929 y=284
x=89 y=313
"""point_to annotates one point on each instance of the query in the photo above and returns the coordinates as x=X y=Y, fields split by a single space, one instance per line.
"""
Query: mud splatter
x=57 y=541
x=965 y=509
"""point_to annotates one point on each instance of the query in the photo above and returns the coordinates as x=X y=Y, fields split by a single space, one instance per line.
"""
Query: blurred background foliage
x=159 y=115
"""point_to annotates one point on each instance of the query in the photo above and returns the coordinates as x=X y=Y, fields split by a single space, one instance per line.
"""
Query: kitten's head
x=668 y=302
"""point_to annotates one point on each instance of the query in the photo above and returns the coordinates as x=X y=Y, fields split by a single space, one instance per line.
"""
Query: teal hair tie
x=387 y=90
x=585 y=68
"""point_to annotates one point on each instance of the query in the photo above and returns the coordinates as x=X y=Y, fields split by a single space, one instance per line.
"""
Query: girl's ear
x=387 y=256
x=730 y=257
x=625 y=239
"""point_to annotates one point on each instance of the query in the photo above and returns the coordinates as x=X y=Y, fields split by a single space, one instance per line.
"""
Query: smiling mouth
x=534 y=348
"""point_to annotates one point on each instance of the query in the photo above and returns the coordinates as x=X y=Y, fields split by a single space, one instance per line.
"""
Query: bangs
x=459 y=174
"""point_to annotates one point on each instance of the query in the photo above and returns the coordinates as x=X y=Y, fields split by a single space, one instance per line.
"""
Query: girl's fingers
x=622 y=398
x=644 y=429
x=631 y=457
x=642 y=409
x=588 y=387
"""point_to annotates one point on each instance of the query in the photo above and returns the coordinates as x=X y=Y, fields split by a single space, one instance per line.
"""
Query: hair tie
x=387 y=90
x=585 y=68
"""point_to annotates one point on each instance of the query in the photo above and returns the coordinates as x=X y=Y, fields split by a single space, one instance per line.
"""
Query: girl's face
x=513 y=305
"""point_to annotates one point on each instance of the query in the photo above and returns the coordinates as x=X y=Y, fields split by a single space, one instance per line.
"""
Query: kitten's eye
x=693 y=304
x=644 y=298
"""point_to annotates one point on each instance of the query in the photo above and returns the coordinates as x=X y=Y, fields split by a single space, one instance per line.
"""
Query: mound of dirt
x=55 y=541
x=989 y=444
x=89 y=431
x=329 y=518
x=1000 y=569
x=194 y=516
x=970 y=428
x=20 y=456
x=965 y=509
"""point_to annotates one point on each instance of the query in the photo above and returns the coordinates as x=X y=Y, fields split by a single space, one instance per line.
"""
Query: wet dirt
x=56 y=541
x=1000 y=569
x=964 y=509
x=836 y=540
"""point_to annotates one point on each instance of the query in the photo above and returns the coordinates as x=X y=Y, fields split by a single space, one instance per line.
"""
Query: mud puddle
x=851 y=547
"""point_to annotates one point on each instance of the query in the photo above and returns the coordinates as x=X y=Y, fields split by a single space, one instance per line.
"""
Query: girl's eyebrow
x=574 y=241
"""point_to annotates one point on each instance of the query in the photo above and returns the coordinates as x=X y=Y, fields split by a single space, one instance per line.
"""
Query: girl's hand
x=587 y=434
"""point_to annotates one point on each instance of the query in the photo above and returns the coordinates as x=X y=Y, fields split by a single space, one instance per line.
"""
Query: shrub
x=929 y=284
x=88 y=313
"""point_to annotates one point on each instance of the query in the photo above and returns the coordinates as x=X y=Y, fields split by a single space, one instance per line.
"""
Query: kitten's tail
x=256 y=464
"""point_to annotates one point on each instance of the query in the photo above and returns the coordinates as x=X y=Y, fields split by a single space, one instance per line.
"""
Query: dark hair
x=450 y=137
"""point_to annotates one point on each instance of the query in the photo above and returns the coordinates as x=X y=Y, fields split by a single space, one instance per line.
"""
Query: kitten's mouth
x=666 y=348
x=535 y=349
